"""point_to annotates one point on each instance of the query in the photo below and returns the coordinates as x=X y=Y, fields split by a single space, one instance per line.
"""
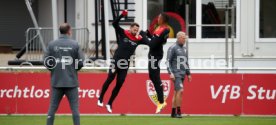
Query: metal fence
x=37 y=40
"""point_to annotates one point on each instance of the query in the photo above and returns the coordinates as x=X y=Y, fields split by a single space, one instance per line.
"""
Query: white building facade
x=255 y=38
x=255 y=28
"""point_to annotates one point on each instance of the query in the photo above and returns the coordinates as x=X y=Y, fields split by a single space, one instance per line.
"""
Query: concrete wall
x=45 y=12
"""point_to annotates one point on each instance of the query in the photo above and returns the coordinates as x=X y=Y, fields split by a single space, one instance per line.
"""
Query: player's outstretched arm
x=117 y=20
x=145 y=39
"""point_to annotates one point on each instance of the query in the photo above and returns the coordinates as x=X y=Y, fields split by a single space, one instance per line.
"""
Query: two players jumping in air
x=127 y=41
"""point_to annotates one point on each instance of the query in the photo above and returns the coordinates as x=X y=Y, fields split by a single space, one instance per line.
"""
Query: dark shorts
x=178 y=83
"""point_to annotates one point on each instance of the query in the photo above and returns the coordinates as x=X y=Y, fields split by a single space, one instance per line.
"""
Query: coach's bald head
x=181 y=37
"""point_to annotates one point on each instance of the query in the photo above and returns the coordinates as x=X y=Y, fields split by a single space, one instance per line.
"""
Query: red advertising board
x=28 y=93
x=259 y=94
x=211 y=94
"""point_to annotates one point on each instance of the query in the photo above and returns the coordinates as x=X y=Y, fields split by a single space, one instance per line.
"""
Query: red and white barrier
x=237 y=94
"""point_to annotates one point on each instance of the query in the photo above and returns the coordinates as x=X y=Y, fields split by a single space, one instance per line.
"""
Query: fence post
x=226 y=36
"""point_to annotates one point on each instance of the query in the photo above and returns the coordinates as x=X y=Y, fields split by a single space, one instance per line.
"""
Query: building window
x=206 y=17
x=214 y=19
x=176 y=10
x=267 y=18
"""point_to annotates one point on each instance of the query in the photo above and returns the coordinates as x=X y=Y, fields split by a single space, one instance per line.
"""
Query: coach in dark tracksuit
x=157 y=40
x=64 y=58
x=127 y=41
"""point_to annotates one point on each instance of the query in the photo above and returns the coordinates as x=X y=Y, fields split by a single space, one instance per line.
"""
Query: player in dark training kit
x=127 y=41
x=158 y=39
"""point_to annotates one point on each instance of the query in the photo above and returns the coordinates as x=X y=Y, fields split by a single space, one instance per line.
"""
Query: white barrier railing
x=145 y=68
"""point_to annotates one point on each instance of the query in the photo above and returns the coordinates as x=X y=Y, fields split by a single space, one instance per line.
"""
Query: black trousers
x=121 y=76
x=154 y=75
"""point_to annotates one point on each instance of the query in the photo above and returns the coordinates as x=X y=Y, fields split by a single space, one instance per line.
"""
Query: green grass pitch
x=140 y=120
